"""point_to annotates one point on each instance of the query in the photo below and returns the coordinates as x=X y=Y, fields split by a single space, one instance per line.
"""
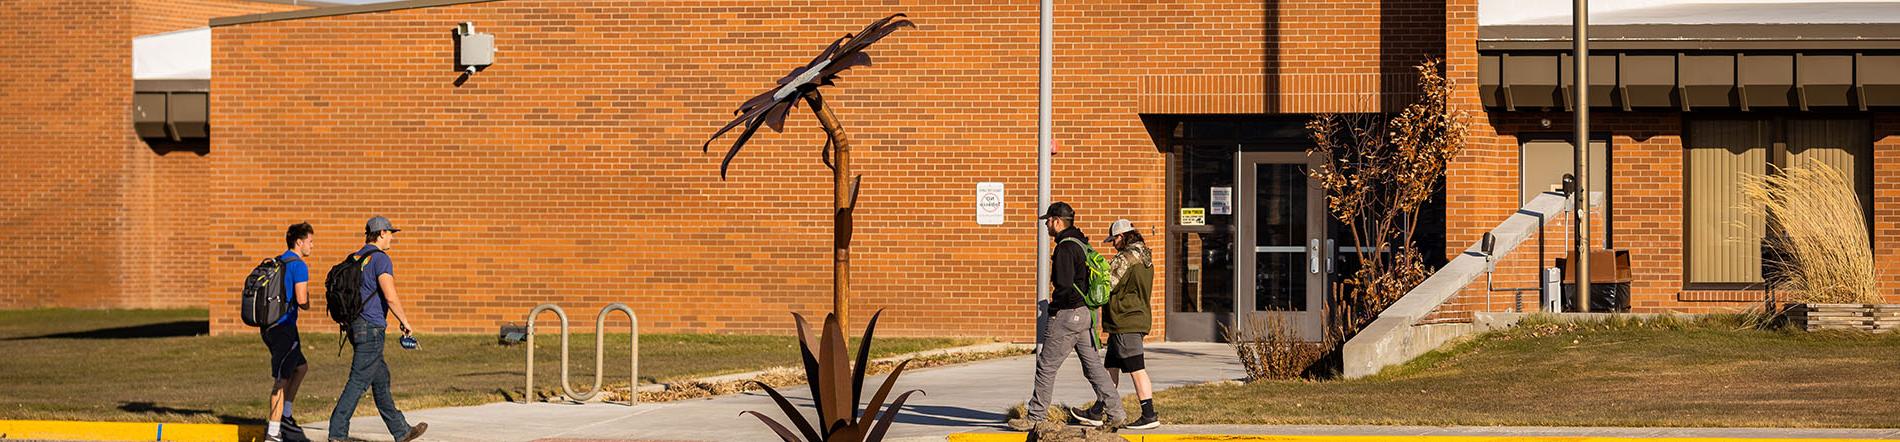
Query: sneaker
x=292 y=431
x=1090 y=417
x=1021 y=424
x=272 y=438
x=415 y=431
x=1146 y=422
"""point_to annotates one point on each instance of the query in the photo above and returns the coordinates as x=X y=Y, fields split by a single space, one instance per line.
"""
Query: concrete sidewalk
x=961 y=398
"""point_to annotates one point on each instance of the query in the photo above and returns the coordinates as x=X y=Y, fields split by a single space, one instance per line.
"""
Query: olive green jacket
x=1131 y=280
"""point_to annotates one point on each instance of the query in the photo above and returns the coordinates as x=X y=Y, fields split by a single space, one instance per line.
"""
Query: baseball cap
x=1058 y=210
x=377 y=224
x=1119 y=227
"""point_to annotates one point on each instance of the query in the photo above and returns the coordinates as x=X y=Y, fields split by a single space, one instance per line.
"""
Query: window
x=1724 y=241
x=1543 y=162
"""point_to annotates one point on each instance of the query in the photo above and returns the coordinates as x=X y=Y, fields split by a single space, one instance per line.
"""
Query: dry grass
x=156 y=365
x=1821 y=252
x=1709 y=371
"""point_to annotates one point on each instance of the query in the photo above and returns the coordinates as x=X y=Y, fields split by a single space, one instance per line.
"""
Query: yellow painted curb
x=128 y=431
x=1018 y=437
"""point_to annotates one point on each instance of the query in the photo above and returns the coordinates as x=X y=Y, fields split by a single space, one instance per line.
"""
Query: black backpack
x=343 y=289
x=263 y=300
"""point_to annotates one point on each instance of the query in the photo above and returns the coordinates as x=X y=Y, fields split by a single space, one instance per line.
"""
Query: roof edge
x=335 y=11
x=310 y=3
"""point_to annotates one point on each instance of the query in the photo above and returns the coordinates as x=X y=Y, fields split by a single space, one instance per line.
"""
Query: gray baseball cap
x=1119 y=227
x=377 y=224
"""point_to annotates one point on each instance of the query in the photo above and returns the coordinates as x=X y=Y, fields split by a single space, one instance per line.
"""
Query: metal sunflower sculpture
x=770 y=109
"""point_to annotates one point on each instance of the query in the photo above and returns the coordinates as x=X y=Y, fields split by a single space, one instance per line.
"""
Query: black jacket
x=1067 y=271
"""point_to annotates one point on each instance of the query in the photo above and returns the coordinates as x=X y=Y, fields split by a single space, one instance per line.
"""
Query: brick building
x=91 y=215
x=569 y=171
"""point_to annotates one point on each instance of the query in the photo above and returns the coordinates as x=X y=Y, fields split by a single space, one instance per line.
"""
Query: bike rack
x=600 y=353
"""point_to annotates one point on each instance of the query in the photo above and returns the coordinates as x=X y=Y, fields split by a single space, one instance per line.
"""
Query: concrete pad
x=957 y=398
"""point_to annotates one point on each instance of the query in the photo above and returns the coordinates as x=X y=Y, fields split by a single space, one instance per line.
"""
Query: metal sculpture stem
x=843 y=197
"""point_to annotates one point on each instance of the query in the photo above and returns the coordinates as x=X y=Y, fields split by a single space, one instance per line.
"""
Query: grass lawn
x=1667 y=372
x=158 y=365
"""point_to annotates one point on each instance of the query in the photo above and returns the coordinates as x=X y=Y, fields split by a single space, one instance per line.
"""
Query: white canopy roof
x=177 y=55
x=1640 y=12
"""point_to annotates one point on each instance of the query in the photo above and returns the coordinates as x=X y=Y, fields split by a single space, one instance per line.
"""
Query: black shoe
x=1146 y=422
x=292 y=431
x=415 y=431
x=1090 y=417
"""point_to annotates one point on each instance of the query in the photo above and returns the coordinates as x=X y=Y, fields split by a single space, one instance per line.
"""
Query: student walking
x=1127 y=321
x=287 y=363
x=368 y=371
x=1068 y=326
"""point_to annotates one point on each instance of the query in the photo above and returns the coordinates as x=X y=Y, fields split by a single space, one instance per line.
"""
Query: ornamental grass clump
x=1817 y=236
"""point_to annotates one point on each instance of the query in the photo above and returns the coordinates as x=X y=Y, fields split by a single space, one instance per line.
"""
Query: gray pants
x=1068 y=331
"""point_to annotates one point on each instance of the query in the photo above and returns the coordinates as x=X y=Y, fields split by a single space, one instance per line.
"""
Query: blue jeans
x=367 y=372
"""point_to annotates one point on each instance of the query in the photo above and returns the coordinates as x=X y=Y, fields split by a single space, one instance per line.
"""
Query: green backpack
x=1097 y=293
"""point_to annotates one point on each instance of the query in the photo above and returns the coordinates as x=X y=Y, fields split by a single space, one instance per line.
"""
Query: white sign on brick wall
x=989 y=204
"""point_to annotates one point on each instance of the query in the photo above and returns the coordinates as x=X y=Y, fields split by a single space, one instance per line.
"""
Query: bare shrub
x=1272 y=349
x=1377 y=173
x=1817 y=235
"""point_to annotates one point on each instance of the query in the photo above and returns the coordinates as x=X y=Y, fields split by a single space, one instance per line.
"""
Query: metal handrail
x=600 y=352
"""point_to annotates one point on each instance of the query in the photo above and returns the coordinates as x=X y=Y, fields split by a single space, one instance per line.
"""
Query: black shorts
x=1124 y=352
x=286 y=350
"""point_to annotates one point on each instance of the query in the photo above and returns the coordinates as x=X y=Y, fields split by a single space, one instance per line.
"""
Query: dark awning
x=1540 y=79
x=171 y=109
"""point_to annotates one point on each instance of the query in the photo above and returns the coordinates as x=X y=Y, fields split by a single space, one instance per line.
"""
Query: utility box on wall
x=474 y=50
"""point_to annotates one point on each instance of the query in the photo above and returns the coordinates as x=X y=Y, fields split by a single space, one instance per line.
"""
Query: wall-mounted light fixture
x=475 y=50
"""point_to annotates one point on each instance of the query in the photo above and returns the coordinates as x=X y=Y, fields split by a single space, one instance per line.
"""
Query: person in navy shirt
x=368 y=371
x=287 y=364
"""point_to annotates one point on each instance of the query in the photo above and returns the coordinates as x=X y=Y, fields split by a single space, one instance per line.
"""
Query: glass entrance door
x=1282 y=264
x=1201 y=249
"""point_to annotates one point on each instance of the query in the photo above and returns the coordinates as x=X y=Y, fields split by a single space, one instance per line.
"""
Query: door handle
x=1312 y=254
x=1330 y=250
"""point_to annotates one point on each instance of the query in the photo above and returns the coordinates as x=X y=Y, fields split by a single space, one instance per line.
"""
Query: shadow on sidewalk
x=941 y=416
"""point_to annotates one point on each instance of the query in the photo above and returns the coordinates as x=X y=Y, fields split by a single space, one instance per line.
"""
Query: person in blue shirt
x=287 y=364
x=368 y=371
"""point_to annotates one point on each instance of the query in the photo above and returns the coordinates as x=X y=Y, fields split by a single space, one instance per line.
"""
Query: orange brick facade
x=89 y=215
x=570 y=172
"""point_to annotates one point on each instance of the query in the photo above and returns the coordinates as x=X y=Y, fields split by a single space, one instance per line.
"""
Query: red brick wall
x=569 y=171
x=93 y=218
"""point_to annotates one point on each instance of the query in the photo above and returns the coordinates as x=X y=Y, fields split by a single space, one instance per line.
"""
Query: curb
x=1018 y=437
x=128 y=431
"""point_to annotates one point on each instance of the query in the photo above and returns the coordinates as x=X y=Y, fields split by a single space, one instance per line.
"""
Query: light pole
x=1579 y=85
x=1044 y=148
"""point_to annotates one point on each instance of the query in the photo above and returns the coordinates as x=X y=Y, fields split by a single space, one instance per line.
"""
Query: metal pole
x=1580 y=86
x=1044 y=150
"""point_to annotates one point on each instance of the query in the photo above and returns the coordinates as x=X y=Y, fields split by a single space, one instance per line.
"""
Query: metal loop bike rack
x=600 y=353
